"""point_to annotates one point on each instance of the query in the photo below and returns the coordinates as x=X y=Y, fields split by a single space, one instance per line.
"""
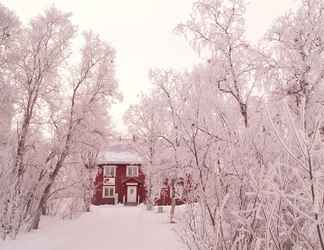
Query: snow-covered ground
x=106 y=227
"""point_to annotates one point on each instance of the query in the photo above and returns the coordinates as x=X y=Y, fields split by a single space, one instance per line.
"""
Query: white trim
x=134 y=195
x=118 y=162
x=108 y=196
x=110 y=167
x=130 y=167
x=131 y=183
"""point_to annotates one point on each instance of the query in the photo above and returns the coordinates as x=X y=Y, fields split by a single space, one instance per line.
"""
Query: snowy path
x=106 y=228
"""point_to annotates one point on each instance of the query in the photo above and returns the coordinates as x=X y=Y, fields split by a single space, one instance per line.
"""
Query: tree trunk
x=44 y=208
x=41 y=206
x=45 y=195
x=243 y=109
x=36 y=220
x=173 y=201
x=173 y=205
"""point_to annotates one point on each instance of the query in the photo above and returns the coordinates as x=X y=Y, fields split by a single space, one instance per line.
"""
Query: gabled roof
x=119 y=153
x=111 y=157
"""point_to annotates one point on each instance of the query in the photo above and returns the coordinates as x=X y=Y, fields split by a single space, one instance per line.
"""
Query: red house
x=119 y=179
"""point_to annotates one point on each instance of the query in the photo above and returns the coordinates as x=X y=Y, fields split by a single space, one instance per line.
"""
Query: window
x=110 y=171
x=108 y=192
x=132 y=171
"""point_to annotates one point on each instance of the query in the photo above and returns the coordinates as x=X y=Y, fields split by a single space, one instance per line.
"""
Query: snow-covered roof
x=123 y=157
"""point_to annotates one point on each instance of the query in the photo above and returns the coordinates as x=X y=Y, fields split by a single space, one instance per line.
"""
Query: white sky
x=141 y=33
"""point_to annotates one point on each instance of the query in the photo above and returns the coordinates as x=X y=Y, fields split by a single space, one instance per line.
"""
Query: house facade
x=119 y=179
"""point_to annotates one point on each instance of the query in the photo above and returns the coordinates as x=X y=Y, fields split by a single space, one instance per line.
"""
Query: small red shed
x=119 y=179
x=182 y=188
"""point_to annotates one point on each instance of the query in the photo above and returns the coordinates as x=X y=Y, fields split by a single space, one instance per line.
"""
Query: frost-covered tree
x=93 y=84
x=41 y=49
x=146 y=123
x=276 y=163
x=216 y=30
x=60 y=110
x=258 y=185
x=10 y=31
x=295 y=45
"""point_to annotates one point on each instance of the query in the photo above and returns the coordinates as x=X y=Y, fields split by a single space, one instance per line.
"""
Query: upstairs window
x=110 y=171
x=132 y=171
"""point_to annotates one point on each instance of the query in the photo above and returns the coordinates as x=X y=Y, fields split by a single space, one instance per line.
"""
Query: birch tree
x=296 y=76
x=60 y=108
x=146 y=123
x=42 y=48
x=216 y=30
x=92 y=84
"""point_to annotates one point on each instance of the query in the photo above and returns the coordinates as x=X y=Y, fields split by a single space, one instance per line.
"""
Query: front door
x=131 y=194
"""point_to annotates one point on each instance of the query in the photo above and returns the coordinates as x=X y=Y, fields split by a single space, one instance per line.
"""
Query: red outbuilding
x=181 y=187
x=119 y=179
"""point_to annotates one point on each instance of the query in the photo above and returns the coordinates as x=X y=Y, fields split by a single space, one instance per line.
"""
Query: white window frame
x=110 y=167
x=108 y=196
x=128 y=174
